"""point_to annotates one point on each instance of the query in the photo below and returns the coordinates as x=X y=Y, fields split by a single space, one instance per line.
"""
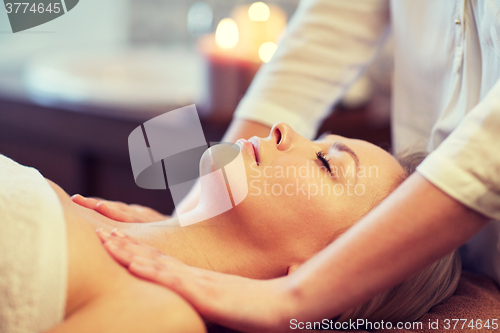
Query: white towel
x=33 y=251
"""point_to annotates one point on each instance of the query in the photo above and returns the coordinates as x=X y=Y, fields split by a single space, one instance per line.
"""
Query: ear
x=292 y=268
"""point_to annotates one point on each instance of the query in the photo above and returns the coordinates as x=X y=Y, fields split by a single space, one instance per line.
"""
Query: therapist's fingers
x=229 y=300
x=114 y=213
x=90 y=203
x=130 y=249
x=105 y=234
x=124 y=249
x=120 y=211
x=169 y=272
x=161 y=263
x=126 y=253
x=133 y=213
x=114 y=210
x=122 y=256
x=158 y=274
x=218 y=297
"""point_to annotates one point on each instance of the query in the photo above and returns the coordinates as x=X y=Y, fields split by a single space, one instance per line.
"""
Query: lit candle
x=227 y=34
x=234 y=54
x=259 y=24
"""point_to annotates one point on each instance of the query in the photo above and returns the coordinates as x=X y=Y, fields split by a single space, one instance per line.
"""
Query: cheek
x=288 y=179
x=298 y=190
x=297 y=195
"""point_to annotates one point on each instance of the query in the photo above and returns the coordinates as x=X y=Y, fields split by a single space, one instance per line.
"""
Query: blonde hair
x=415 y=296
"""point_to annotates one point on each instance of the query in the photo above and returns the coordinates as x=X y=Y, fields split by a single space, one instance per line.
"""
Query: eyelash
x=326 y=162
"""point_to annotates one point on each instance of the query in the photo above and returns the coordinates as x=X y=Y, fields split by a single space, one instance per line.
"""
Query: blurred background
x=73 y=89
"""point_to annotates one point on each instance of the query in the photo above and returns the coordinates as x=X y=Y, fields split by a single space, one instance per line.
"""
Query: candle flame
x=266 y=51
x=226 y=34
x=259 y=11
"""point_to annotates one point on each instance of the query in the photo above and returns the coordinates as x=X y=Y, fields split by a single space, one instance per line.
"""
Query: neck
x=218 y=243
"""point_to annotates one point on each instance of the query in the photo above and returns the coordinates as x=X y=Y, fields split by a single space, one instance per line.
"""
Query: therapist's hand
x=120 y=211
x=240 y=303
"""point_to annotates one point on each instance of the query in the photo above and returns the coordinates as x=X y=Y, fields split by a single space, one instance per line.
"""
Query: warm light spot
x=266 y=51
x=259 y=11
x=226 y=35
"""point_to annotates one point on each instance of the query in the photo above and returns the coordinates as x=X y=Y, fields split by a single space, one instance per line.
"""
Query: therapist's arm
x=416 y=225
x=412 y=228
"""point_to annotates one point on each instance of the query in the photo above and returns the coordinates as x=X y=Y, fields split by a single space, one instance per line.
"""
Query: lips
x=250 y=147
x=256 y=147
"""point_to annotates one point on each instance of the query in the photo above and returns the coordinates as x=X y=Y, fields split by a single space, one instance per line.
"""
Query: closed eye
x=326 y=162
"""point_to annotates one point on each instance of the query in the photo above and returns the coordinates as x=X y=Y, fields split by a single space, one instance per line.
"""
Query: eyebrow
x=344 y=148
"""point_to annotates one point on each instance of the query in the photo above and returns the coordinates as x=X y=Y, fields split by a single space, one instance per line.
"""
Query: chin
x=222 y=168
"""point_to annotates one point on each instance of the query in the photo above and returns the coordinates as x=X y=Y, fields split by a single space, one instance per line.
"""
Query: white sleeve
x=327 y=46
x=466 y=165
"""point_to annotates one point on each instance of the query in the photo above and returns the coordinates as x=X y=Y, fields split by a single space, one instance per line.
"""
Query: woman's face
x=302 y=194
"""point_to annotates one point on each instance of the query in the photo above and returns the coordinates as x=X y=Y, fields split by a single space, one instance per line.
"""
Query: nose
x=282 y=135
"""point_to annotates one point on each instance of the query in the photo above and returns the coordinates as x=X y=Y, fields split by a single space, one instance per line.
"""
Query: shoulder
x=134 y=306
x=157 y=308
x=103 y=297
